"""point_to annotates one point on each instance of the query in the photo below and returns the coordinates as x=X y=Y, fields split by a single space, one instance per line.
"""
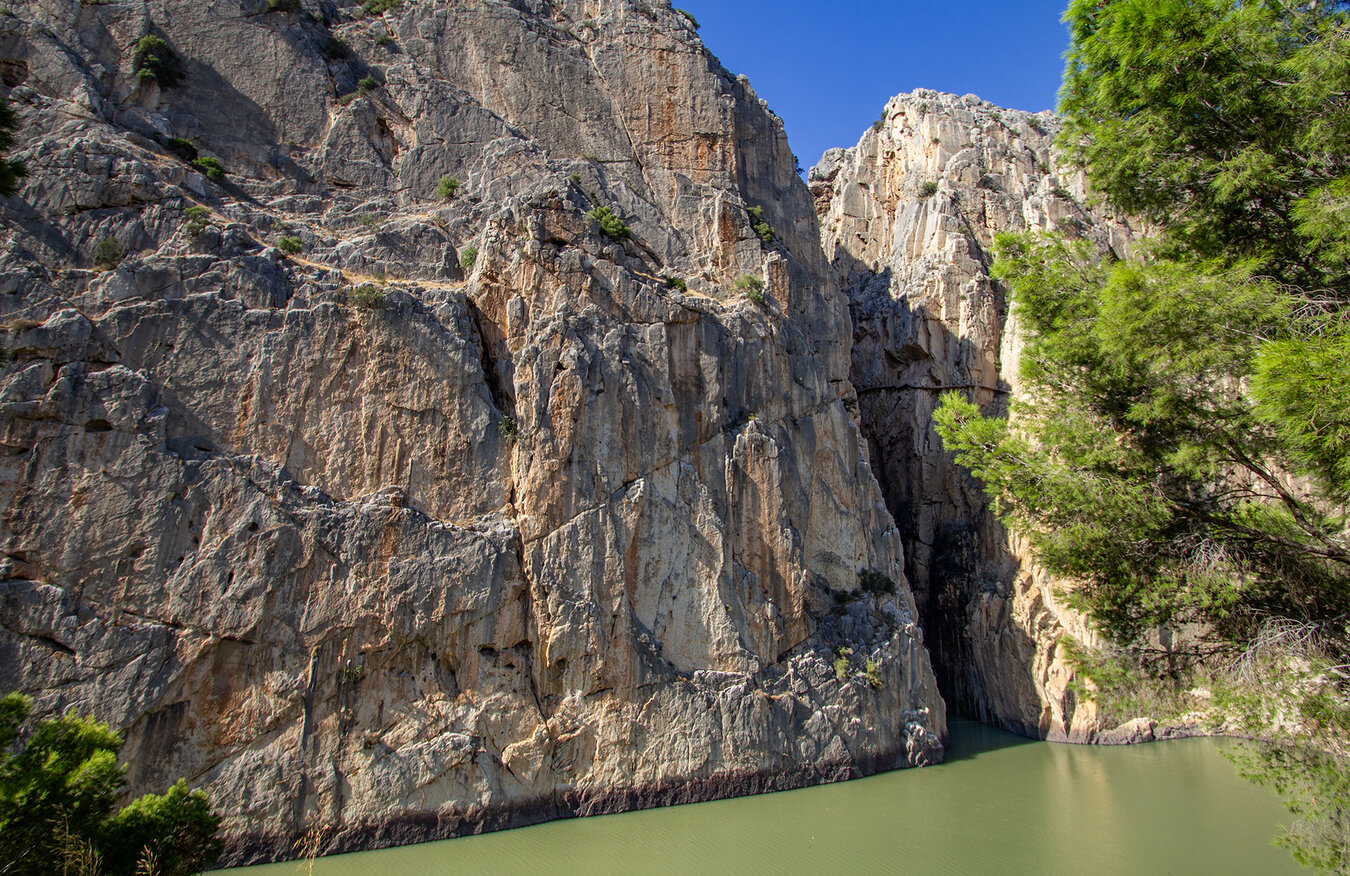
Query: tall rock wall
x=402 y=541
x=908 y=218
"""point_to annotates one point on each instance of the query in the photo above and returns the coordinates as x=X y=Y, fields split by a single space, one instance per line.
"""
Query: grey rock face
x=908 y=218
x=467 y=514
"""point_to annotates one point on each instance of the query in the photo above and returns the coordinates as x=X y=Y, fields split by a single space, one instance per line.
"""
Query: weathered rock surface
x=908 y=218
x=365 y=538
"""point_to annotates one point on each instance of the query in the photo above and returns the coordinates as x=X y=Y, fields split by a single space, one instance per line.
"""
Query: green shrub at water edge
x=59 y=812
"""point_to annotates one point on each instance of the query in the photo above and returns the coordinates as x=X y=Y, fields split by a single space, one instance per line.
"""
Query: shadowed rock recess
x=908 y=218
x=368 y=501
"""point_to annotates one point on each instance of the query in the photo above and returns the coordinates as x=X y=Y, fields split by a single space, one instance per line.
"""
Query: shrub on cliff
x=447 y=187
x=611 y=225
x=212 y=167
x=59 y=813
x=751 y=287
x=108 y=253
x=761 y=228
x=155 y=61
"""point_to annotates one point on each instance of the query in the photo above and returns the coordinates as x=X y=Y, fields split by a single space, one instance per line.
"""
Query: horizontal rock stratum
x=459 y=512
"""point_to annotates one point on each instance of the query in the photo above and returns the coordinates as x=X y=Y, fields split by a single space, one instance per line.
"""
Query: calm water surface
x=1000 y=804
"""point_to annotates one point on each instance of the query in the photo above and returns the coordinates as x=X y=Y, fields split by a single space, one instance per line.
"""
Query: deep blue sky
x=828 y=68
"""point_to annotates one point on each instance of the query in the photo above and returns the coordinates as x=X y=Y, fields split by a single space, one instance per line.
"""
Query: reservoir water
x=1000 y=805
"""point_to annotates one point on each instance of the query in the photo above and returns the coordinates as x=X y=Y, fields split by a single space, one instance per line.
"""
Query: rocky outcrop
x=908 y=218
x=460 y=512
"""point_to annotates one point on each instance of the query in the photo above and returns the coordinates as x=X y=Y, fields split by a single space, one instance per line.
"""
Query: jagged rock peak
x=908 y=218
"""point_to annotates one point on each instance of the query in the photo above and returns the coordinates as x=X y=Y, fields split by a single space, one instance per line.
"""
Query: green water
x=999 y=805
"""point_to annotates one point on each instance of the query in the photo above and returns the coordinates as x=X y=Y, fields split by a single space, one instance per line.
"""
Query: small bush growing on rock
x=447 y=187
x=762 y=228
x=689 y=16
x=366 y=85
x=751 y=287
x=368 y=296
x=182 y=147
x=610 y=224
x=195 y=220
x=467 y=257
x=384 y=40
x=675 y=283
x=336 y=48
x=928 y=189
x=108 y=253
x=875 y=582
x=841 y=668
x=153 y=60
x=290 y=244
x=211 y=167
x=380 y=7
x=575 y=179
x=872 y=670
x=283 y=5
x=506 y=427
x=646 y=9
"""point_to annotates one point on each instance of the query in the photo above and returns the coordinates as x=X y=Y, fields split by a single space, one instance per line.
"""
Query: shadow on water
x=968 y=739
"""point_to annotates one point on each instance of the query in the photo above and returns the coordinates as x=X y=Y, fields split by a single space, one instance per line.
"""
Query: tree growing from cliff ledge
x=58 y=806
x=1185 y=455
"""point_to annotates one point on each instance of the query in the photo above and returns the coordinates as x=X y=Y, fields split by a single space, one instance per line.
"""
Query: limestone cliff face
x=361 y=537
x=908 y=218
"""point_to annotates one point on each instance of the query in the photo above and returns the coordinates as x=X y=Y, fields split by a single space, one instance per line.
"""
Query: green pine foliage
x=290 y=244
x=58 y=798
x=154 y=60
x=751 y=287
x=447 y=187
x=761 y=227
x=1184 y=455
x=212 y=167
x=610 y=224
